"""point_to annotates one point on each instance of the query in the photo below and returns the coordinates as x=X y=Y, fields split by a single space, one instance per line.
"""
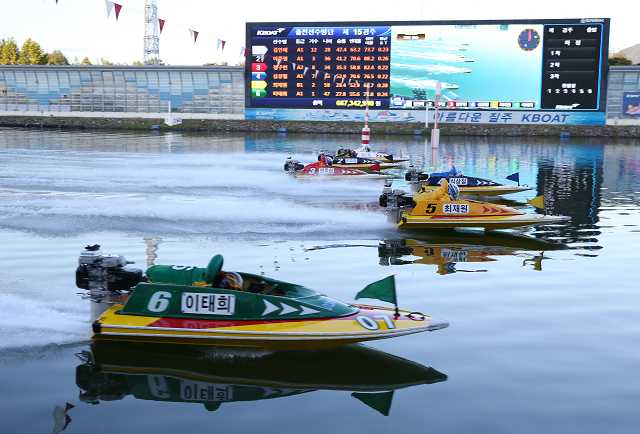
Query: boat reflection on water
x=450 y=247
x=212 y=376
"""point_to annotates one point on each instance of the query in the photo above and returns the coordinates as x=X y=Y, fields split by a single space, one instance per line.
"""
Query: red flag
x=223 y=42
x=161 y=24
x=118 y=7
x=195 y=36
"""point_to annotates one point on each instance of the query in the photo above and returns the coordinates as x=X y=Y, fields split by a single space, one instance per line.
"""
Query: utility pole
x=151 y=41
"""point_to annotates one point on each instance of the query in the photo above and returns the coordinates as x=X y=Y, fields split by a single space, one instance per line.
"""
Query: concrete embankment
x=323 y=127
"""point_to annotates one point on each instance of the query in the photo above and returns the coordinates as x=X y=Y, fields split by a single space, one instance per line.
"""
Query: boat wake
x=31 y=316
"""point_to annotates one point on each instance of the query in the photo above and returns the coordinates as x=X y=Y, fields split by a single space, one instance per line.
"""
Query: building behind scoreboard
x=195 y=92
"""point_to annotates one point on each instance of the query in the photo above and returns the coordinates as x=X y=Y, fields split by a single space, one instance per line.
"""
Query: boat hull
x=346 y=176
x=366 y=324
x=487 y=190
x=488 y=222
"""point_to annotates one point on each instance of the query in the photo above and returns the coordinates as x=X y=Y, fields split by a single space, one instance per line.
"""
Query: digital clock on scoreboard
x=320 y=67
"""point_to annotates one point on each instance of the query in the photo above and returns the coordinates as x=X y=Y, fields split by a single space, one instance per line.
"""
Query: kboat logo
x=269 y=32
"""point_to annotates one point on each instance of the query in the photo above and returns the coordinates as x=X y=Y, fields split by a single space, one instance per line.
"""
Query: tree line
x=620 y=58
x=32 y=53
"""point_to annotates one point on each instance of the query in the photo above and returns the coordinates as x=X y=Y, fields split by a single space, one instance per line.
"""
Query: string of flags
x=221 y=45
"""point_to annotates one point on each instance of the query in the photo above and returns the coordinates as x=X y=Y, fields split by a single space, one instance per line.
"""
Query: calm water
x=544 y=322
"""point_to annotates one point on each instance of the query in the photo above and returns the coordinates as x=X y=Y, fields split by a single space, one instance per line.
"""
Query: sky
x=80 y=28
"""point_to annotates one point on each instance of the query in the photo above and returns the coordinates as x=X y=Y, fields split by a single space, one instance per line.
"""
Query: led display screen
x=527 y=65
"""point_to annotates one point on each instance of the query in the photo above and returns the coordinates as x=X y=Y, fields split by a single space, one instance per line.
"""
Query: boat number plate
x=458 y=181
x=371 y=324
x=208 y=304
x=350 y=160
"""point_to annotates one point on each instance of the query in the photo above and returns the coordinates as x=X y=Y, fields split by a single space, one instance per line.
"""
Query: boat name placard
x=455 y=208
x=454 y=255
x=200 y=391
x=209 y=304
x=458 y=181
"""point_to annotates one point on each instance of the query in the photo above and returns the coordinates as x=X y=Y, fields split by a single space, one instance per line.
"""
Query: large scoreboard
x=331 y=70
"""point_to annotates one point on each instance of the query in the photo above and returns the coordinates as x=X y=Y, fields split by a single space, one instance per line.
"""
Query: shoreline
x=319 y=127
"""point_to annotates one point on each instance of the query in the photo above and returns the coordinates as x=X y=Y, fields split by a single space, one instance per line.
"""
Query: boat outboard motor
x=106 y=277
x=393 y=200
x=292 y=166
x=415 y=177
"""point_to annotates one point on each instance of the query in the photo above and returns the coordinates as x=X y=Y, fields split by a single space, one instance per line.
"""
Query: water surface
x=543 y=320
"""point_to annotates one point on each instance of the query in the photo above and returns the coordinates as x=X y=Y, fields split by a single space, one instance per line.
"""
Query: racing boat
x=176 y=304
x=441 y=208
x=469 y=185
x=358 y=162
x=214 y=376
x=323 y=169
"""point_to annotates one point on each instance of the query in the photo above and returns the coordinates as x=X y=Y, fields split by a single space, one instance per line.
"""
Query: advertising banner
x=631 y=104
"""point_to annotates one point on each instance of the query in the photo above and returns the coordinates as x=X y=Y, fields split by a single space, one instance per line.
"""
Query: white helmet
x=454 y=191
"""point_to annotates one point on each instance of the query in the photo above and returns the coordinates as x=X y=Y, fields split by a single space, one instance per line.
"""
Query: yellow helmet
x=233 y=281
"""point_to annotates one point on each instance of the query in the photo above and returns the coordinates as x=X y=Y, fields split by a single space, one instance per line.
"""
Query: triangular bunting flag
x=279 y=61
x=316 y=74
x=161 y=22
x=244 y=51
x=109 y=7
x=294 y=66
x=194 y=34
x=305 y=71
x=326 y=75
x=342 y=79
x=118 y=7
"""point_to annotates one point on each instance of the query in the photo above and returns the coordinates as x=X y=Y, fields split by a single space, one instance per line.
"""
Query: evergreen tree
x=32 y=54
x=57 y=58
x=619 y=58
x=103 y=61
x=9 y=52
x=85 y=61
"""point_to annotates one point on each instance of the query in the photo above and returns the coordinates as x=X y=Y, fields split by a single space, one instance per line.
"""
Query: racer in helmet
x=454 y=191
x=231 y=280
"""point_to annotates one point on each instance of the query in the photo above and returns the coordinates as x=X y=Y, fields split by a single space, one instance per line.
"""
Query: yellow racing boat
x=441 y=208
x=177 y=304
